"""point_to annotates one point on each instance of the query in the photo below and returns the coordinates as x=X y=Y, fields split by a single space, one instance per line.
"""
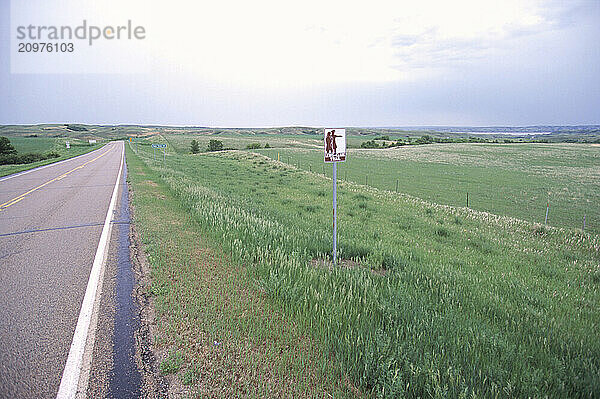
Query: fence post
x=547 y=209
x=467 y=199
x=583 y=229
x=396 y=185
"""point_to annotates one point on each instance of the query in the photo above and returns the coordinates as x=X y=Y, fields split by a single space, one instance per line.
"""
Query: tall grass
x=440 y=301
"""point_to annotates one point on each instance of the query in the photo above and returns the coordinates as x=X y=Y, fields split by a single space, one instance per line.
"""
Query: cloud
x=463 y=32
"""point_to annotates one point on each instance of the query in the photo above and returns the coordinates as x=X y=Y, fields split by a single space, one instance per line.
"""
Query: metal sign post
x=335 y=151
x=334 y=213
x=164 y=150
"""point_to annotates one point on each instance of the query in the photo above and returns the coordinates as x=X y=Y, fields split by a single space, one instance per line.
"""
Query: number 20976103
x=45 y=47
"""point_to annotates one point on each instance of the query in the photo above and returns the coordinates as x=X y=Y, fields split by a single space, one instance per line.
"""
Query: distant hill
x=577 y=133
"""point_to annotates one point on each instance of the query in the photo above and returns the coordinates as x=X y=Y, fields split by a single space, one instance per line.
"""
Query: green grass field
x=430 y=300
x=516 y=180
x=33 y=144
x=44 y=145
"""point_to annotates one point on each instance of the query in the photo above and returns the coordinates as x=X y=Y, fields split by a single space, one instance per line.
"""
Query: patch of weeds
x=392 y=262
x=457 y=221
x=428 y=211
x=402 y=223
x=481 y=246
x=384 y=261
x=354 y=250
x=158 y=290
x=321 y=193
x=191 y=376
x=442 y=232
x=310 y=208
x=596 y=277
x=172 y=363
x=361 y=197
x=569 y=256
x=540 y=230
x=362 y=205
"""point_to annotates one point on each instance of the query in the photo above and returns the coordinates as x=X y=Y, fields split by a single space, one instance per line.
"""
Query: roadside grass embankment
x=433 y=301
x=218 y=334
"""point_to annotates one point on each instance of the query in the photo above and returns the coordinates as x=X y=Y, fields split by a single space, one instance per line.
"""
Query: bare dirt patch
x=344 y=264
x=328 y=264
x=154 y=385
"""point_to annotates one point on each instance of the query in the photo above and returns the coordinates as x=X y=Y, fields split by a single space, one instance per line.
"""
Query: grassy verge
x=433 y=302
x=222 y=337
x=24 y=145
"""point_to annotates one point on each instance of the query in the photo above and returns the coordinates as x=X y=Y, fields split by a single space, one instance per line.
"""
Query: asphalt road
x=50 y=224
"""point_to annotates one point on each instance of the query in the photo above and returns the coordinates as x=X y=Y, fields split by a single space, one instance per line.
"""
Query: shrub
x=253 y=146
x=14 y=159
x=369 y=144
x=194 y=147
x=6 y=148
x=215 y=145
x=426 y=139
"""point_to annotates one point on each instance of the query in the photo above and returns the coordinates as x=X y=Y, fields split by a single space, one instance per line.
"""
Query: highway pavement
x=51 y=221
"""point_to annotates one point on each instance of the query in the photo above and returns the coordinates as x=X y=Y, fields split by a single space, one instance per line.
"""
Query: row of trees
x=427 y=139
x=217 y=145
x=213 y=145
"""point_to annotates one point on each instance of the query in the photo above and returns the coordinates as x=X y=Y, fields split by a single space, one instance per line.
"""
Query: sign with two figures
x=335 y=151
x=335 y=145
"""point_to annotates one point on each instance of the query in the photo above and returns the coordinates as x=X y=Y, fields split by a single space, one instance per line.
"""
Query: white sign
x=159 y=146
x=92 y=141
x=335 y=145
x=68 y=144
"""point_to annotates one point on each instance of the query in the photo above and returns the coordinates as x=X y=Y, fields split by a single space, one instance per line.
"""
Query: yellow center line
x=22 y=196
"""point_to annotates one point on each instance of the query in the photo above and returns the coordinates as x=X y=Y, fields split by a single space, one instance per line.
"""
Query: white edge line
x=50 y=164
x=71 y=373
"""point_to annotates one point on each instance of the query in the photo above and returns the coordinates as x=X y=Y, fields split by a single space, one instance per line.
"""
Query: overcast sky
x=314 y=63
